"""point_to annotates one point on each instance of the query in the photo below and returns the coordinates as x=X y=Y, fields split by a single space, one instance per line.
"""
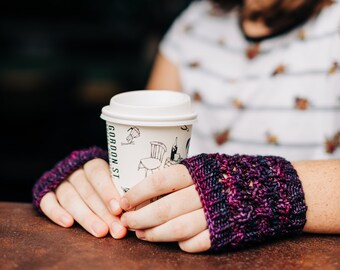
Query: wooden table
x=30 y=241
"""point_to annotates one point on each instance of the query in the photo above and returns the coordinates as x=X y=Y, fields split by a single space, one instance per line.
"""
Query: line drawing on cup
x=185 y=128
x=175 y=156
x=154 y=162
x=187 y=145
x=134 y=133
x=125 y=189
x=174 y=149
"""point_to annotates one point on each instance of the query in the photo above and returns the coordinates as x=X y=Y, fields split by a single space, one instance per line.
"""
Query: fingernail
x=140 y=234
x=97 y=228
x=116 y=229
x=115 y=207
x=65 y=220
x=124 y=203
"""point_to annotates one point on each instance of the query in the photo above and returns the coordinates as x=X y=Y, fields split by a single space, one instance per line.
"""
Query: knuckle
x=131 y=221
x=96 y=162
x=96 y=167
x=179 y=231
x=87 y=194
x=184 y=173
x=77 y=177
x=65 y=194
x=85 y=190
x=163 y=210
x=104 y=214
x=157 y=181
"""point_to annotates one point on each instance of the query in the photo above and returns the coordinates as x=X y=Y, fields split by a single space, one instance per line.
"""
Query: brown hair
x=278 y=15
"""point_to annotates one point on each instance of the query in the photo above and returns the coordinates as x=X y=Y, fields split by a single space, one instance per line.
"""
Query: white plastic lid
x=150 y=108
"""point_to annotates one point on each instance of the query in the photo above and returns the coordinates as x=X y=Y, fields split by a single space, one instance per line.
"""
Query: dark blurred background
x=60 y=63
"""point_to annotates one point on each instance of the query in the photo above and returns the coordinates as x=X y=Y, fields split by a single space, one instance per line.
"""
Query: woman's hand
x=178 y=216
x=88 y=197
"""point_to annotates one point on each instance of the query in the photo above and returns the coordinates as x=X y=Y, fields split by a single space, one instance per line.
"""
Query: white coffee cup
x=146 y=131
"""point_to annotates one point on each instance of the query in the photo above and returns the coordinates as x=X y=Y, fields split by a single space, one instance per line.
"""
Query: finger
x=115 y=207
x=93 y=201
x=178 y=229
x=98 y=173
x=50 y=206
x=199 y=243
x=158 y=212
x=162 y=182
x=71 y=201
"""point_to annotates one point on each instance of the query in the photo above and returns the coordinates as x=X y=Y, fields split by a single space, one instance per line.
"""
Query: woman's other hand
x=87 y=196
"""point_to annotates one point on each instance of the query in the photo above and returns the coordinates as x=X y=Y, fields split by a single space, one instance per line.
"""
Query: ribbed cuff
x=247 y=199
x=50 y=180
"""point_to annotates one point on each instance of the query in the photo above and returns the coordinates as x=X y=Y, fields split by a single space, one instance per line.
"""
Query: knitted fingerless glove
x=247 y=199
x=50 y=180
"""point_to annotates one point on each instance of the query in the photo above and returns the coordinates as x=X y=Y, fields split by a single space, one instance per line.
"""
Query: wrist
x=247 y=199
x=50 y=180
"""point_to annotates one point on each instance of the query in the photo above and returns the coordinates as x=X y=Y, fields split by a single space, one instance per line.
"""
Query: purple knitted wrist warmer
x=50 y=180
x=247 y=199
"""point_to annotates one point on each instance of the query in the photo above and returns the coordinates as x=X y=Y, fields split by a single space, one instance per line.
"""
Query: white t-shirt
x=284 y=101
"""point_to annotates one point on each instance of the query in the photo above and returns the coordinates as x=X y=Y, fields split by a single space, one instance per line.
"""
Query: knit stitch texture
x=247 y=199
x=50 y=180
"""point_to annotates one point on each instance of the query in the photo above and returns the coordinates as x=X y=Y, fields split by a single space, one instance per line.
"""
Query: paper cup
x=146 y=132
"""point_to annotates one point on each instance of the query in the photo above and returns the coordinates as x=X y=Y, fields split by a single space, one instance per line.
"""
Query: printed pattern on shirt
x=280 y=96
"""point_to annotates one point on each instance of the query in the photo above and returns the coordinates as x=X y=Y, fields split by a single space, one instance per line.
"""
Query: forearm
x=164 y=75
x=321 y=185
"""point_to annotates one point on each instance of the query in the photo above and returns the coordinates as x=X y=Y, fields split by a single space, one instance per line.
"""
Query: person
x=264 y=77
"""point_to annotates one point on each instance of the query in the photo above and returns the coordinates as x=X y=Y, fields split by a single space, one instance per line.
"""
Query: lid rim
x=149 y=118
x=149 y=123
x=154 y=121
